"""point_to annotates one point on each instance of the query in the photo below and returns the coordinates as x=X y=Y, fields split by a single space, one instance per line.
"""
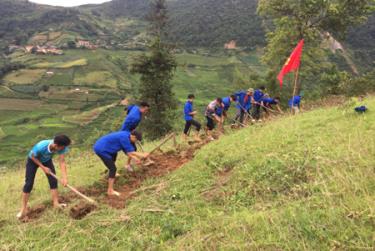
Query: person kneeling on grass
x=109 y=145
x=189 y=114
x=41 y=156
x=212 y=117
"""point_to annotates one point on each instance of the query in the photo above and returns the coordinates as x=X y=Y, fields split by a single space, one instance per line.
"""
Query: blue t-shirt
x=269 y=101
x=133 y=119
x=42 y=152
x=241 y=97
x=258 y=95
x=187 y=110
x=297 y=101
x=227 y=103
x=110 y=144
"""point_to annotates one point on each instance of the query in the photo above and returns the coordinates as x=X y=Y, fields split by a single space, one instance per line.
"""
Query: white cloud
x=68 y=3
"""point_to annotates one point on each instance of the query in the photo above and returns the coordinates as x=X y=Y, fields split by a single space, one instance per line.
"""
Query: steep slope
x=298 y=183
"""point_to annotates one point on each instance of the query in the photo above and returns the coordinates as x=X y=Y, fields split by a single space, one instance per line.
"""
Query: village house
x=86 y=44
x=231 y=45
x=43 y=50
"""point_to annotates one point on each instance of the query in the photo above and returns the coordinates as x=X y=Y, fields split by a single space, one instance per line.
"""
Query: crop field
x=97 y=78
x=24 y=76
x=19 y=104
x=61 y=65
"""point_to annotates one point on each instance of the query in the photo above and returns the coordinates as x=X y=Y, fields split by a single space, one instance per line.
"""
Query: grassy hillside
x=297 y=183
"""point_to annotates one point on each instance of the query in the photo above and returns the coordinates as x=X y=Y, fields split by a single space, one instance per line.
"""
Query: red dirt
x=79 y=211
x=36 y=212
x=164 y=163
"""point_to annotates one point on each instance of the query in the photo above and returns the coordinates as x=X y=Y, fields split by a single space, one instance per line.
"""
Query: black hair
x=137 y=134
x=62 y=140
x=190 y=96
x=234 y=97
x=262 y=88
x=278 y=98
x=145 y=104
x=220 y=100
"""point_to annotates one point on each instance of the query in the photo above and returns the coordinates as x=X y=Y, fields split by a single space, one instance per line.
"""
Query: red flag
x=292 y=63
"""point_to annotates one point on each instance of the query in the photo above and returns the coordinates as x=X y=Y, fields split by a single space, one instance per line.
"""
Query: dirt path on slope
x=129 y=184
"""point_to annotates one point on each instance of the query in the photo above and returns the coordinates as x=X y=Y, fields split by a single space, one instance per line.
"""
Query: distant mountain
x=20 y=20
x=200 y=23
x=193 y=23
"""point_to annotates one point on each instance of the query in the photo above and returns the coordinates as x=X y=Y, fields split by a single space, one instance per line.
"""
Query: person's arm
x=137 y=156
x=36 y=161
x=191 y=112
x=279 y=108
x=64 y=173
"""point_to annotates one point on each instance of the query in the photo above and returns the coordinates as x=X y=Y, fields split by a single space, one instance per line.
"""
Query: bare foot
x=113 y=193
x=60 y=206
x=22 y=215
x=129 y=168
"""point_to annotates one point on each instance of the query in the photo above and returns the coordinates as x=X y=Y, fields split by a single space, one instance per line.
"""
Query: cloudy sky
x=68 y=2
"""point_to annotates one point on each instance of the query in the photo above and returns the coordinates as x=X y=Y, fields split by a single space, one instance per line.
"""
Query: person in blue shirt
x=227 y=101
x=189 y=114
x=134 y=116
x=41 y=156
x=244 y=102
x=269 y=103
x=295 y=104
x=109 y=145
x=258 y=102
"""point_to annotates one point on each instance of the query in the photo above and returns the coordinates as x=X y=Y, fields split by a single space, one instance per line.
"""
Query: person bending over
x=40 y=156
x=109 y=145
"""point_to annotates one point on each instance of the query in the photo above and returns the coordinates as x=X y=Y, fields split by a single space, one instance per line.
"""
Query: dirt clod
x=79 y=211
x=36 y=212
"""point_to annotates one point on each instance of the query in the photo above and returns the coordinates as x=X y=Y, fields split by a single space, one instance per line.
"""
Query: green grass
x=297 y=183
x=62 y=65
x=99 y=78
x=24 y=76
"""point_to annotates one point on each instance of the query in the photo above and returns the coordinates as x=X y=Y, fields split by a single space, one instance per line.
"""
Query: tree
x=156 y=68
x=72 y=44
x=288 y=21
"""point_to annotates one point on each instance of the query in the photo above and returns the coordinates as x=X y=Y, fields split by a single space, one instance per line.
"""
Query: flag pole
x=295 y=87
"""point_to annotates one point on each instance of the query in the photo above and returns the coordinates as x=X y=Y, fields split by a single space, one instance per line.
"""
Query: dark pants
x=210 y=123
x=240 y=115
x=31 y=169
x=256 y=112
x=110 y=164
x=189 y=123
